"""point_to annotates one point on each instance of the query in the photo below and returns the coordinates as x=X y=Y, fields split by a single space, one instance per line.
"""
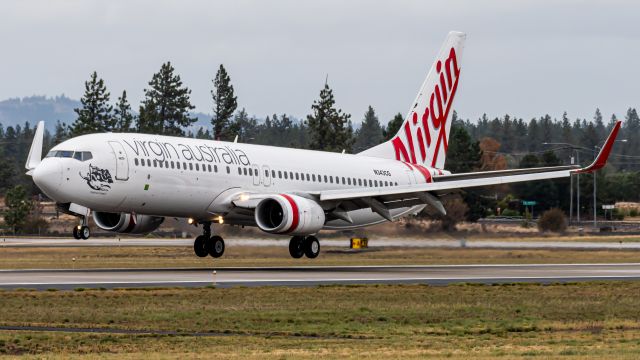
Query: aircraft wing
x=381 y=200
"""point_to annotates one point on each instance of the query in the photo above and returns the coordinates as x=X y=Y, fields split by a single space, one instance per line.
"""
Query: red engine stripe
x=296 y=216
x=132 y=223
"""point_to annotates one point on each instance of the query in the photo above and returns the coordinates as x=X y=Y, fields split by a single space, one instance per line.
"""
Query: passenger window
x=313 y=177
x=325 y=178
x=155 y=163
x=297 y=176
x=215 y=168
x=245 y=171
x=370 y=183
x=228 y=170
x=375 y=182
x=178 y=165
x=172 y=165
x=135 y=161
x=190 y=166
x=343 y=181
x=331 y=179
x=160 y=163
x=308 y=177
x=319 y=178
x=197 y=167
x=279 y=174
x=359 y=182
x=239 y=171
x=349 y=181
x=285 y=175
x=149 y=162
x=273 y=173
x=291 y=175
x=209 y=167
x=266 y=173
x=142 y=162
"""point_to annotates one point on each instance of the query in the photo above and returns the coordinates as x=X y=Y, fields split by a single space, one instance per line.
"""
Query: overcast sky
x=524 y=58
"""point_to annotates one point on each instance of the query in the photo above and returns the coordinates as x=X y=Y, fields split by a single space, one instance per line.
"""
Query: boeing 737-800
x=129 y=181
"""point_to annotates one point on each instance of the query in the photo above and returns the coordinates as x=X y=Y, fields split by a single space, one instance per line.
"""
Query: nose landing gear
x=300 y=246
x=206 y=244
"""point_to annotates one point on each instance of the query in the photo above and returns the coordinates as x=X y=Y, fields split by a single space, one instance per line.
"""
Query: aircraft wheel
x=296 y=248
x=76 y=233
x=311 y=247
x=200 y=246
x=84 y=232
x=216 y=246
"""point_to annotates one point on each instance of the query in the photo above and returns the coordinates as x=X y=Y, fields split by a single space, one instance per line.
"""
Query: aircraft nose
x=48 y=176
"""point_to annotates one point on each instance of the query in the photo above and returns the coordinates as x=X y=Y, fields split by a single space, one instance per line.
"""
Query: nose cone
x=48 y=177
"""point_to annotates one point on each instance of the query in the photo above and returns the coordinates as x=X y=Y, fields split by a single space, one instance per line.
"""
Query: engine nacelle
x=127 y=223
x=289 y=214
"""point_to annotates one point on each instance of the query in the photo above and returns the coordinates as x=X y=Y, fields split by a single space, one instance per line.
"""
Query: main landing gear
x=82 y=231
x=206 y=244
x=300 y=246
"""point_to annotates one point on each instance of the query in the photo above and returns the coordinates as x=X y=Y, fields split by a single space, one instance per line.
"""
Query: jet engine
x=126 y=222
x=289 y=214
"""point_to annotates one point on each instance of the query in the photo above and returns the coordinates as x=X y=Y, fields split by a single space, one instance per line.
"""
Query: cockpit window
x=78 y=155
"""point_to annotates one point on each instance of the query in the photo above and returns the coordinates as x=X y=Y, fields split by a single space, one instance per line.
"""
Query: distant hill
x=35 y=108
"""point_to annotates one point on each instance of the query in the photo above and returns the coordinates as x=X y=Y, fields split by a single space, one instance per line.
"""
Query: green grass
x=587 y=320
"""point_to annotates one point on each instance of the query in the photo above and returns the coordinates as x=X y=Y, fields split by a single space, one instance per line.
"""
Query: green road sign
x=529 y=202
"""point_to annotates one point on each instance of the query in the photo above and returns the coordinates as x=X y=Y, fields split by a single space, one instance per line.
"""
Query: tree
x=225 y=103
x=122 y=116
x=245 y=127
x=394 y=126
x=370 y=132
x=165 y=108
x=95 y=113
x=18 y=208
x=330 y=128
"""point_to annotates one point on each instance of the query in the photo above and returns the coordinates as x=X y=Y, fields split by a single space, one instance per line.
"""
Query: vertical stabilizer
x=423 y=137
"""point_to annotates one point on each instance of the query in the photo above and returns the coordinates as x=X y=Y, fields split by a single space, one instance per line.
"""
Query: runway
x=312 y=276
x=629 y=245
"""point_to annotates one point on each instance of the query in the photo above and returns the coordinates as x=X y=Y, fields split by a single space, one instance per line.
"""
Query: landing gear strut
x=206 y=244
x=300 y=246
x=82 y=231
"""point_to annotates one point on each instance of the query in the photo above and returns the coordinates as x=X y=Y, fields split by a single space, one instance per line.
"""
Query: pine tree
x=370 y=132
x=330 y=128
x=244 y=127
x=599 y=124
x=225 y=104
x=464 y=153
x=18 y=208
x=122 y=116
x=165 y=109
x=62 y=133
x=95 y=113
x=394 y=126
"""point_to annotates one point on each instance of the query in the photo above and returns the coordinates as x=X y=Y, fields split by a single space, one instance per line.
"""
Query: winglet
x=35 y=153
x=601 y=159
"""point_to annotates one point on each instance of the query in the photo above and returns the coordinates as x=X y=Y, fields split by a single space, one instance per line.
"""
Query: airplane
x=129 y=182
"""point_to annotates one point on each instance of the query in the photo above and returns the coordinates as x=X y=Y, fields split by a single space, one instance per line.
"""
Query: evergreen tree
x=62 y=133
x=330 y=128
x=567 y=133
x=394 y=126
x=165 y=108
x=370 y=132
x=225 y=103
x=18 y=208
x=464 y=154
x=95 y=113
x=122 y=116
x=599 y=124
x=245 y=127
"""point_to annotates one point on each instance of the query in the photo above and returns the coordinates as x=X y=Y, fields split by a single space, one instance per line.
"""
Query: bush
x=510 y=212
x=553 y=220
x=633 y=212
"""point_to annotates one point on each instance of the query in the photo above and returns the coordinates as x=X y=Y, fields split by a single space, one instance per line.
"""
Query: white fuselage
x=183 y=177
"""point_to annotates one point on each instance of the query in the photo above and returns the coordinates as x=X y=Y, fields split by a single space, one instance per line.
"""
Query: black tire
x=216 y=246
x=311 y=247
x=84 y=232
x=76 y=233
x=296 y=248
x=200 y=246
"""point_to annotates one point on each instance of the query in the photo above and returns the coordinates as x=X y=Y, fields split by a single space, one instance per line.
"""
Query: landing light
x=190 y=221
x=220 y=220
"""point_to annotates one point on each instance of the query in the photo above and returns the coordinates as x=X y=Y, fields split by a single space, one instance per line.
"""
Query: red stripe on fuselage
x=296 y=216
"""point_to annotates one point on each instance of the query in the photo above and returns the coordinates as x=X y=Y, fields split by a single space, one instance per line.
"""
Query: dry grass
x=137 y=257
x=591 y=320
